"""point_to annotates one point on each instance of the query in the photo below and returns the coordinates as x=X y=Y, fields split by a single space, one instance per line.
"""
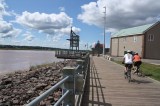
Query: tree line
x=15 y=47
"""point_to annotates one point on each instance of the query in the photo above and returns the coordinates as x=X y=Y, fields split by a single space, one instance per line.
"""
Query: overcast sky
x=48 y=22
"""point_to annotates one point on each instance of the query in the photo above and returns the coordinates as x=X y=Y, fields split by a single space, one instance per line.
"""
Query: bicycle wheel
x=125 y=75
x=141 y=73
x=136 y=70
x=129 y=75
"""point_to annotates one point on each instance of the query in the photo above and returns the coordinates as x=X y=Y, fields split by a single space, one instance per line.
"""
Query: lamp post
x=104 y=30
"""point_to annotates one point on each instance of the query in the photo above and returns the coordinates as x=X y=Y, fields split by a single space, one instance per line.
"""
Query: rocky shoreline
x=19 y=88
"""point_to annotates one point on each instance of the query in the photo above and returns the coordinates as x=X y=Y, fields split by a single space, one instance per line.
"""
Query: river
x=15 y=60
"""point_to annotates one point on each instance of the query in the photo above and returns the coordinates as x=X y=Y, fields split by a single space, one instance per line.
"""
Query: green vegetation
x=150 y=70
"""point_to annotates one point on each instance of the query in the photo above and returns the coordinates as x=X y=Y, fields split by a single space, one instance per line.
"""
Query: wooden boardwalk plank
x=106 y=86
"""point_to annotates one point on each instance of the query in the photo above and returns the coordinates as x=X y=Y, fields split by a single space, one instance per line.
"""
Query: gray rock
x=41 y=86
x=7 y=81
x=16 y=102
x=30 y=92
x=21 y=88
x=2 y=87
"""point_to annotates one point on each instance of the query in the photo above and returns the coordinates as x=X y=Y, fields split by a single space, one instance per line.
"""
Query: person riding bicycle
x=128 y=61
x=137 y=62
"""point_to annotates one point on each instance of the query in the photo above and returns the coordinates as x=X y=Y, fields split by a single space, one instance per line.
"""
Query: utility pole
x=104 y=30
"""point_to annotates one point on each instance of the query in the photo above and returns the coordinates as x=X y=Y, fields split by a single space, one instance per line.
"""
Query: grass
x=150 y=70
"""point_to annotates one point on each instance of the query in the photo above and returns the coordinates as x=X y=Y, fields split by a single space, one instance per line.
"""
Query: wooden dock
x=106 y=86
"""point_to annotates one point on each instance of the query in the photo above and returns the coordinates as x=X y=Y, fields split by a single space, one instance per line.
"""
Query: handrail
x=60 y=100
x=72 y=91
x=47 y=93
x=69 y=54
x=77 y=67
x=86 y=67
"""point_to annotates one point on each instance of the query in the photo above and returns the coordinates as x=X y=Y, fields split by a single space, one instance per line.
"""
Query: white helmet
x=128 y=51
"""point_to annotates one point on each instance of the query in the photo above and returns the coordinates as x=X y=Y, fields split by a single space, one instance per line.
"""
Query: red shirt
x=136 y=58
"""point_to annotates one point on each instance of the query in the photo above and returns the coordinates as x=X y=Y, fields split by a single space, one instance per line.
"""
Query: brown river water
x=15 y=60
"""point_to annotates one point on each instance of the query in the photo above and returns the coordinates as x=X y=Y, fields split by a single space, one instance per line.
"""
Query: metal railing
x=62 y=98
x=73 y=82
x=47 y=93
x=85 y=68
x=69 y=54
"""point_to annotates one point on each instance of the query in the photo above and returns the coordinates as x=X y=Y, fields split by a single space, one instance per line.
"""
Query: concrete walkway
x=106 y=86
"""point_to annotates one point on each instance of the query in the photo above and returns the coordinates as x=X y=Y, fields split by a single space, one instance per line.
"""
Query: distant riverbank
x=14 y=60
x=16 y=47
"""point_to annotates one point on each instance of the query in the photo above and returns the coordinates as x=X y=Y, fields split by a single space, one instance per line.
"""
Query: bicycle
x=138 y=71
x=128 y=74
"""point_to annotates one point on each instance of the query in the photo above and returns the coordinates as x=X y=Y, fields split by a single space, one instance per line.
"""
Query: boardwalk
x=107 y=87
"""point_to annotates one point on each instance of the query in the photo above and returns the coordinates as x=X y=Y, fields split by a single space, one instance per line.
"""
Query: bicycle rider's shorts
x=137 y=63
x=128 y=65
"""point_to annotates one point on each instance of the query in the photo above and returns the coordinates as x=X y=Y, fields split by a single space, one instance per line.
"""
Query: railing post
x=79 y=77
x=85 y=63
x=69 y=85
x=81 y=66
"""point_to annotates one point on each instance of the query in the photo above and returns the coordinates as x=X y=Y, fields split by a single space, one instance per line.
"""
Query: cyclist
x=128 y=61
x=137 y=62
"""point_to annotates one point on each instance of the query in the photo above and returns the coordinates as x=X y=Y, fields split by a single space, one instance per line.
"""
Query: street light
x=104 y=30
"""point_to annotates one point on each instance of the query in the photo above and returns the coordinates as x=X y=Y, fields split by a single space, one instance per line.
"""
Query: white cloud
x=5 y=27
x=120 y=13
x=61 y=8
x=66 y=44
x=63 y=32
x=56 y=38
x=91 y=14
x=12 y=33
x=3 y=11
x=28 y=36
x=43 y=21
x=93 y=44
x=7 y=30
x=17 y=42
x=56 y=25
x=67 y=30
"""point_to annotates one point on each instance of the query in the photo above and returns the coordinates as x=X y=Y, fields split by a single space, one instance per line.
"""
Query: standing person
x=137 y=62
x=128 y=60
